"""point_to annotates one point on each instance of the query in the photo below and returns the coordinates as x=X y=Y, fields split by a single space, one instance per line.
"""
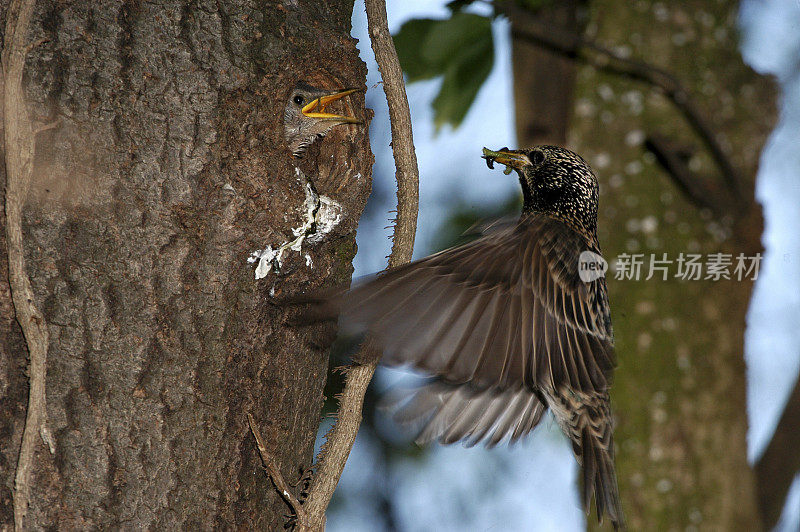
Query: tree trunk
x=166 y=170
x=679 y=391
x=544 y=82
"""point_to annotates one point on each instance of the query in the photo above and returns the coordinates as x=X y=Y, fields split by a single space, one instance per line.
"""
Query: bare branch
x=341 y=437
x=19 y=151
x=696 y=190
x=275 y=474
x=780 y=463
x=405 y=157
x=587 y=51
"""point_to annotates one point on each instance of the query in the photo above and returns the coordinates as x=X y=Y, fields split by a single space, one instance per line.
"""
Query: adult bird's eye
x=298 y=100
x=537 y=157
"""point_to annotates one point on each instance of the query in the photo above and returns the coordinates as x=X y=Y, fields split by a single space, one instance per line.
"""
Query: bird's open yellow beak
x=316 y=108
x=511 y=158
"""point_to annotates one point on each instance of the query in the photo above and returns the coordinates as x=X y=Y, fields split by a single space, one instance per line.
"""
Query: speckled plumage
x=563 y=186
x=506 y=326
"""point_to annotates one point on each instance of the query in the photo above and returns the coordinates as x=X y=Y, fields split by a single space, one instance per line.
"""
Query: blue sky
x=538 y=493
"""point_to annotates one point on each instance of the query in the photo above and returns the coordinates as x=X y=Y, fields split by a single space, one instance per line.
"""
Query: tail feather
x=599 y=477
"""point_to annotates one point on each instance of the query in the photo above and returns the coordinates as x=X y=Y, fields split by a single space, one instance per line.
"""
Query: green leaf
x=459 y=48
x=446 y=42
x=472 y=61
x=408 y=43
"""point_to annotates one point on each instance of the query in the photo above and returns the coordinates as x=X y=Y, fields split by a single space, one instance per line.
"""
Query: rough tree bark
x=166 y=170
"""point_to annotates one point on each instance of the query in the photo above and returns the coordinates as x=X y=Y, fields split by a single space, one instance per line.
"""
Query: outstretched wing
x=505 y=311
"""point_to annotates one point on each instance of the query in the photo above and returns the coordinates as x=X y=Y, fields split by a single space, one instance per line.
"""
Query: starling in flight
x=305 y=118
x=507 y=326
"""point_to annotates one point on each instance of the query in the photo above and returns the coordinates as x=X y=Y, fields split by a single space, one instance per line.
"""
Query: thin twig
x=47 y=126
x=341 y=437
x=268 y=461
x=587 y=51
x=19 y=150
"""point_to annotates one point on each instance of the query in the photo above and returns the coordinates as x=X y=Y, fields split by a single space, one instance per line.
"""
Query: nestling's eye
x=537 y=157
x=299 y=100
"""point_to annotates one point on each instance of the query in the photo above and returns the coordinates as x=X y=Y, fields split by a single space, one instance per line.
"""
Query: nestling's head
x=305 y=118
x=555 y=181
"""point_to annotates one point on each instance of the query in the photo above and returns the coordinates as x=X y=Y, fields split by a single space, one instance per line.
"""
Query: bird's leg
x=305 y=483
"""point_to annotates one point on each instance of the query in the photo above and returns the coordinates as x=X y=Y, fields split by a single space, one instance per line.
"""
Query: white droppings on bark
x=321 y=215
x=264 y=257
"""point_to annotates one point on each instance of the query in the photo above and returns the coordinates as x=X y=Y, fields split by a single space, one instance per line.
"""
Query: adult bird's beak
x=316 y=108
x=513 y=159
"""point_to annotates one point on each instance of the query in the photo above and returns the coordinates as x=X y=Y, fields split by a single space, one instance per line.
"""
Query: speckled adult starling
x=305 y=118
x=507 y=326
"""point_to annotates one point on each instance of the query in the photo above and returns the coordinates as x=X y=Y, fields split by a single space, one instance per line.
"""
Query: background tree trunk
x=679 y=391
x=544 y=82
x=166 y=170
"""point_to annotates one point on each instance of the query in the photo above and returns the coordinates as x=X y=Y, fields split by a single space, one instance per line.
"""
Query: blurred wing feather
x=505 y=310
x=449 y=413
x=506 y=313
